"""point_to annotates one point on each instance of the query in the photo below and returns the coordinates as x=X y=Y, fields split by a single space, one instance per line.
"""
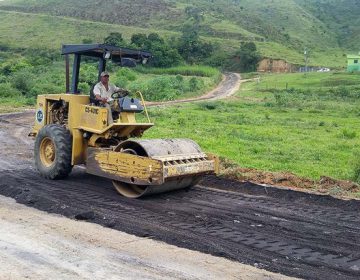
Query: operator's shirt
x=99 y=89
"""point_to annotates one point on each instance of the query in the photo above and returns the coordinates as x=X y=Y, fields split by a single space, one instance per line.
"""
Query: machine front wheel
x=52 y=152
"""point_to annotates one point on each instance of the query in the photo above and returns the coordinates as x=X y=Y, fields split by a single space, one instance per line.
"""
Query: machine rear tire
x=52 y=152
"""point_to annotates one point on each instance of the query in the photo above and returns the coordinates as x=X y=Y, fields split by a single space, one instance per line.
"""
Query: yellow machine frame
x=69 y=131
x=84 y=117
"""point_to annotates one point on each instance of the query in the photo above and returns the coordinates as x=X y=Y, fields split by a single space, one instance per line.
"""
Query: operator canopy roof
x=100 y=50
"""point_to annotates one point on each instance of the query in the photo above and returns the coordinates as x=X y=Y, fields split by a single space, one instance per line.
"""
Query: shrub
x=218 y=59
x=179 y=78
x=84 y=88
x=343 y=91
x=348 y=134
x=161 y=88
x=195 y=84
x=115 y=39
x=139 y=40
x=186 y=70
x=40 y=57
x=120 y=81
x=356 y=167
x=6 y=90
x=209 y=106
x=167 y=87
x=87 y=41
x=30 y=101
x=164 y=56
x=153 y=90
x=281 y=99
x=12 y=66
x=23 y=80
x=88 y=74
x=45 y=88
x=127 y=73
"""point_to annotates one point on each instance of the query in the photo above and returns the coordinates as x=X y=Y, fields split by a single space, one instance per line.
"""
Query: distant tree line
x=189 y=48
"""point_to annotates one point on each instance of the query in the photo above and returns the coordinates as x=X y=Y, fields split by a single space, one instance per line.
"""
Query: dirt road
x=229 y=85
x=296 y=234
x=36 y=245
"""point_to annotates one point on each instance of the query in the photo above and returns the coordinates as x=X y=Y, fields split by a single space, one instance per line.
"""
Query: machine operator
x=103 y=91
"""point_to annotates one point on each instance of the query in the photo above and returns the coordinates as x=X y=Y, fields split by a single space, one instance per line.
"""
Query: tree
x=163 y=54
x=23 y=80
x=155 y=38
x=247 y=57
x=115 y=39
x=139 y=40
x=87 y=41
x=191 y=48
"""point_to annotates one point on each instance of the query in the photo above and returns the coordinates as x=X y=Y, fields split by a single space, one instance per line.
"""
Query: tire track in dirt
x=246 y=228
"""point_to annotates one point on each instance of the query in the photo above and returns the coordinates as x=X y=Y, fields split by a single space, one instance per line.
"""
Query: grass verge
x=313 y=134
x=194 y=70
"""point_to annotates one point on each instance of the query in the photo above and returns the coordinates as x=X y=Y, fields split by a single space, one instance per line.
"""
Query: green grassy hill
x=21 y=31
x=316 y=23
x=339 y=16
x=280 y=28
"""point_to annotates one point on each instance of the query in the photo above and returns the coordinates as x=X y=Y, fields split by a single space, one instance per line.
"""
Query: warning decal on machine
x=39 y=115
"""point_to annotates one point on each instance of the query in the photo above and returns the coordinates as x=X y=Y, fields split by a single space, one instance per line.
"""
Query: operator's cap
x=104 y=73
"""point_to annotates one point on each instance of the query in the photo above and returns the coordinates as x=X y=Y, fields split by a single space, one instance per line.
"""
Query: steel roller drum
x=174 y=152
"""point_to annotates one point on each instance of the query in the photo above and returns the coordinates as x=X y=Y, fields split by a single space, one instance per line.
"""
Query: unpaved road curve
x=228 y=86
x=301 y=235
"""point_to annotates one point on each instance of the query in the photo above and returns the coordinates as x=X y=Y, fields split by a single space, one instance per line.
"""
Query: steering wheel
x=120 y=94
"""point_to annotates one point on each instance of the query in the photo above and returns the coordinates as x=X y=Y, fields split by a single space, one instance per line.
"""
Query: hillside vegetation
x=282 y=21
x=340 y=16
x=22 y=31
x=281 y=28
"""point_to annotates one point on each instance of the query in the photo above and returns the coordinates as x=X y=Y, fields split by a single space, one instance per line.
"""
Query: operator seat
x=93 y=100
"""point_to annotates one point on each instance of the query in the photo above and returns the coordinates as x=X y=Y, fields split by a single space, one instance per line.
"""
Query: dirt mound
x=325 y=185
x=329 y=183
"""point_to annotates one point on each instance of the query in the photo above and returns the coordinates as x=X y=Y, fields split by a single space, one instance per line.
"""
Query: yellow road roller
x=71 y=129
